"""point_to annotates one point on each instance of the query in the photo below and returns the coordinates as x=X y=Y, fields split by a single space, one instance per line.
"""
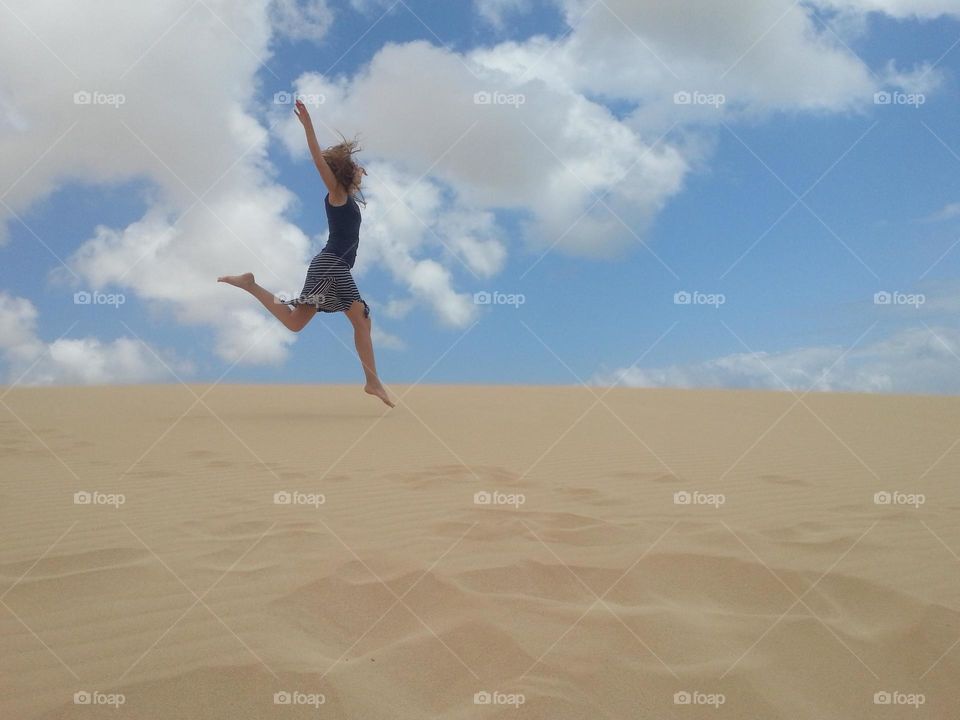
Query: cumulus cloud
x=151 y=108
x=911 y=360
x=761 y=56
x=407 y=227
x=18 y=321
x=81 y=361
x=553 y=156
x=173 y=266
x=495 y=12
x=301 y=19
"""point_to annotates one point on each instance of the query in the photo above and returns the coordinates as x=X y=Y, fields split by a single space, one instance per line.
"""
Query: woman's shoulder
x=350 y=202
x=326 y=199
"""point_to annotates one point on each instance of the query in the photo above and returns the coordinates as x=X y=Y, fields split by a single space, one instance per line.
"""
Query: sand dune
x=653 y=554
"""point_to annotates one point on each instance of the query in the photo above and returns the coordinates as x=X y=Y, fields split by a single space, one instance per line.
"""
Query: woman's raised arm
x=329 y=179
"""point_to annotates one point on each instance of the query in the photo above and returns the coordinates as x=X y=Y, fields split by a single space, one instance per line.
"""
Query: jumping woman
x=329 y=286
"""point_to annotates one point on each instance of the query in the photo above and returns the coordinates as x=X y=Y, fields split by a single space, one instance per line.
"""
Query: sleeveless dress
x=329 y=285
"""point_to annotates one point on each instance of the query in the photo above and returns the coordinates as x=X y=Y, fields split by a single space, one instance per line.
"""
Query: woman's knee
x=359 y=313
x=301 y=316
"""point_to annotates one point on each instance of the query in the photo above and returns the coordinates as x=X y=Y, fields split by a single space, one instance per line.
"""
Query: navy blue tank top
x=344 y=224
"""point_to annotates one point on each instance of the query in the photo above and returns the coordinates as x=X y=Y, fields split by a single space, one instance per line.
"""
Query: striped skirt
x=329 y=286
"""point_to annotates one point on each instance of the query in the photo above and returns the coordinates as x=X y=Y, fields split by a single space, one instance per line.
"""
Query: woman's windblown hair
x=340 y=159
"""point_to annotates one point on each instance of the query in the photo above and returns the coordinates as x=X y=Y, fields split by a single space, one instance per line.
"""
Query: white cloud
x=18 y=322
x=384 y=339
x=399 y=307
x=472 y=236
x=175 y=268
x=301 y=19
x=253 y=338
x=552 y=156
x=912 y=360
x=762 y=56
x=924 y=79
x=496 y=12
x=369 y=6
x=406 y=238
x=84 y=361
x=185 y=127
x=922 y=9
x=947 y=212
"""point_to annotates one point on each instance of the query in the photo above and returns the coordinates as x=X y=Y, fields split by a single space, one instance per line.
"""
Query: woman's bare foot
x=244 y=281
x=378 y=390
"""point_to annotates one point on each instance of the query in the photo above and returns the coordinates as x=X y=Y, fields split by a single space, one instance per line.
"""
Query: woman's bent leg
x=294 y=319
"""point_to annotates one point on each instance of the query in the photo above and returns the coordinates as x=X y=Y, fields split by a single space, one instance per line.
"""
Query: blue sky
x=797 y=288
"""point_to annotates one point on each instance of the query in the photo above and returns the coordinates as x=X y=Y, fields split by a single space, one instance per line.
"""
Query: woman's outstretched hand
x=301 y=111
